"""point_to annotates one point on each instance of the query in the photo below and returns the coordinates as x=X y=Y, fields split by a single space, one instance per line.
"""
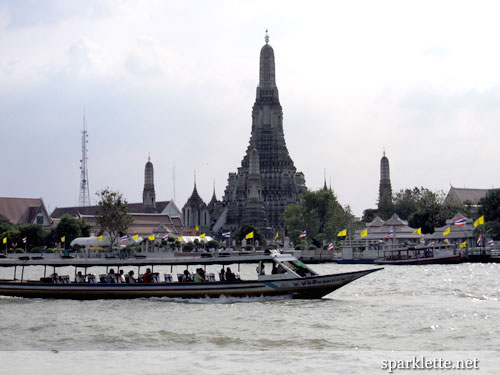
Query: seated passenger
x=222 y=274
x=199 y=277
x=111 y=278
x=79 y=277
x=230 y=275
x=186 y=277
x=121 y=276
x=146 y=278
x=131 y=278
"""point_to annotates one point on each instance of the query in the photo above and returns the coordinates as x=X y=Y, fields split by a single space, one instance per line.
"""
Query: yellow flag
x=447 y=231
x=179 y=239
x=446 y=240
x=249 y=235
x=463 y=244
x=342 y=233
x=152 y=237
x=4 y=240
x=197 y=228
x=277 y=235
x=63 y=239
x=364 y=233
x=479 y=221
x=203 y=235
x=417 y=231
x=136 y=237
x=99 y=238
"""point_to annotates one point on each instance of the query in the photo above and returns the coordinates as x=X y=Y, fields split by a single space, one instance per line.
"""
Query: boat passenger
x=230 y=275
x=199 y=277
x=79 y=277
x=186 y=277
x=121 y=276
x=260 y=269
x=146 y=278
x=111 y=278
x=222 y=274
x=131 y=278
x=274 y=271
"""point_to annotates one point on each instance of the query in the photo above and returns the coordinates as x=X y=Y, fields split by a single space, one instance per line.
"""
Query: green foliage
x=19 y=250
x=248 y=247
x=369 y=214
x=36 y=250
x=5 y=224
x=71 y=228
x=189 y=246
x=490 y=208
x=245 y=229
x=212 y=244
x=320 y=214
x=113 y=217
x=312 y=247
x=299 y=247
x=424 y=209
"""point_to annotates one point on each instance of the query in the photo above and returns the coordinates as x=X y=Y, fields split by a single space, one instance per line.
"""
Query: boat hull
x=312 y=287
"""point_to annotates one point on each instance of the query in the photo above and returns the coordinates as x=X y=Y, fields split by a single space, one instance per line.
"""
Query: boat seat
x=168 y=277
x=211 y=277
x=91 y=278
x=155 y=278
x=64 y=279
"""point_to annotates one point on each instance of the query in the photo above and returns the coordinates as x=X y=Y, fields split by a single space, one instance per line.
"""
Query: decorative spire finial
x=149 y=156
x=384 y=150
x=267 y=37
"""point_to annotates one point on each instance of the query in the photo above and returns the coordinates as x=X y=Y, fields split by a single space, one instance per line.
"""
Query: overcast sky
x=177 y=79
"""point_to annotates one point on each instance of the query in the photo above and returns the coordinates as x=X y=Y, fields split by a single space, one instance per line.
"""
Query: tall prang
x=385 y=189
x=148 y=194
x=267 y=181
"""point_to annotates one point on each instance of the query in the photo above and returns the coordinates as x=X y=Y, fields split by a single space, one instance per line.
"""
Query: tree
x=113 y=216
x=424 y=208
x=71 y=228
x=490 y=208
x=320 y=214
x=369 y=214
x=5 y=224
x=242 y=231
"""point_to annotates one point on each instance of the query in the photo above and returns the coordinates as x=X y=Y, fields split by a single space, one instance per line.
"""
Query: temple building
x=149 y=217
x=385 y=189
x=148 y=194
x=196 y=214
x=267 y=181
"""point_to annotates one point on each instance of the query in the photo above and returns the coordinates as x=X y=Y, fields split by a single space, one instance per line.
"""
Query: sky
x=176 y=80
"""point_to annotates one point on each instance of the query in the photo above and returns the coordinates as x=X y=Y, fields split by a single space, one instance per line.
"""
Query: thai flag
x=330 y=247
x=303 y=234
x=389 y=235
x=25 y=239
x=461 y=221
x=491 y=243
x=479 y=239
x=165 y=237
x=124 y=238
x=431 y=243
x=226 y=234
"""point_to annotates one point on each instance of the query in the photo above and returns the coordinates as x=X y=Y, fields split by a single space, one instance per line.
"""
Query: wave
x=221 y=299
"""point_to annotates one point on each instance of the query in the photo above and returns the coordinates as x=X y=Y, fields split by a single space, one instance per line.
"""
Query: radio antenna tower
x=84 y=174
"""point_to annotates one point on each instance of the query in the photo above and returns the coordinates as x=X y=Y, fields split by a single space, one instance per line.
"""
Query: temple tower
x=385 y=189
x=148 y=194
x=267 y=177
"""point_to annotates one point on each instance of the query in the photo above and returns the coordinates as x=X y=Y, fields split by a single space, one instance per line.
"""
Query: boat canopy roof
x=172 y=261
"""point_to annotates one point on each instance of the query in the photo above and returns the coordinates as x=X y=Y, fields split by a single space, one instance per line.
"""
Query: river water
x=448 y=312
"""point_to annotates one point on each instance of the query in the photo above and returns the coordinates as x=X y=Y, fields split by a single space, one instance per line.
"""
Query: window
x=39 y=220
